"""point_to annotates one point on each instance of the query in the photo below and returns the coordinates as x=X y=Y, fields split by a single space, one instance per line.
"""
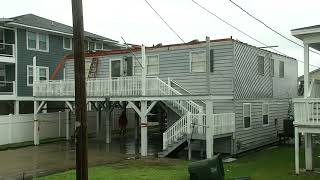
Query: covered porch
x=307 y=109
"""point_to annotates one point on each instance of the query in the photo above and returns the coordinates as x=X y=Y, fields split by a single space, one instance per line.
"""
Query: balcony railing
x=6 y=50
x=306 y=111
x=7 y=87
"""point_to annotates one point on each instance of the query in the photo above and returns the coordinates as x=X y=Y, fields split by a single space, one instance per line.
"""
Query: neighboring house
x=314 y=77
x=253 y=84
x=26 y=36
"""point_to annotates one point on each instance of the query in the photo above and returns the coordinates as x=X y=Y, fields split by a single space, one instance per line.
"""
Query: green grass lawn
x=270 y=164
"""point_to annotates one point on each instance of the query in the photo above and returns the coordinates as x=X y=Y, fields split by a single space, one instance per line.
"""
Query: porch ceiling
x=309 y=35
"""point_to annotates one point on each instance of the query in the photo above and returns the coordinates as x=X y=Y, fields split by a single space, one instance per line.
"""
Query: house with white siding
x=225 y=95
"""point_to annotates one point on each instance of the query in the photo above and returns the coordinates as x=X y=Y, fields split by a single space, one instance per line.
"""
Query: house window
x=32 y=40
x=67 y=43
x=272 y=67
x=152 y=65
x=261 y=65
x=37 y=41
x=42 y=74
x=265 y=114
x=1 y=38
x=2 y=72
x=246 y=115
x=198 y=61
x=105 y=47
x=281 y=69
x=98 y=46
x=91 y=45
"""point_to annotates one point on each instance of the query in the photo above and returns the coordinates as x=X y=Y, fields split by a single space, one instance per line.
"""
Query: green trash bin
x=208 y=169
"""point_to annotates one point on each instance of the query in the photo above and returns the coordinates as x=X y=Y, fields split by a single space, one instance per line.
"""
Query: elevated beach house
x=223 y=94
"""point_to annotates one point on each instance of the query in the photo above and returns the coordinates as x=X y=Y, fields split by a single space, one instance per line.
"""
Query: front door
x=116 y=68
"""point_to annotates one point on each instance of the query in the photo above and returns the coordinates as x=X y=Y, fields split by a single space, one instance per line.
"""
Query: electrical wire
x=244 y=33
x=136 y=59
x=275 y=31
x=165 y=22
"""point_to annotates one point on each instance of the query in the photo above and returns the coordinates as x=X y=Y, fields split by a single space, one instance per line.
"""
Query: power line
x=165 y=22
x=218 y=73
x=270 y=27
x=244 y=33
x=136 y=59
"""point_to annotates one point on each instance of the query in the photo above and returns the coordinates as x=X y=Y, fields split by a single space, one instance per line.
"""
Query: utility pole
x=80 y=92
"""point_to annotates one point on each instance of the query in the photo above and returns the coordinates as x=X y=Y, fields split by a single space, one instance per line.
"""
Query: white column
x=296 y=149
x=308 y=151
x=144 y=129
x=68 y=125
x=34 y=68
x=306 y=70
x=16 y=107
x=209 y=132
x=144 y=70
x=36 y=127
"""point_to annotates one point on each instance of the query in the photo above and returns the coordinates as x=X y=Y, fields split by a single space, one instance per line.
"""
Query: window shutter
x=211 y=60
x=272 y=67
x=129 y=66
x=261 y=65
x=281 y=69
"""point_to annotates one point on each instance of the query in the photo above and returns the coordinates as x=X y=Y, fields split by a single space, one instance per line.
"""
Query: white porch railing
x=6 y=50
x=306 y=111
x=197 y=123
x=7 y=87
x=122 y=86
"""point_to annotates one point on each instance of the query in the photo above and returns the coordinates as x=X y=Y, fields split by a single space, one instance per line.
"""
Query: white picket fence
x=19 y=128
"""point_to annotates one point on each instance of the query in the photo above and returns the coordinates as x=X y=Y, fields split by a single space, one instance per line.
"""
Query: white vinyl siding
x=198 y=61
x=246 y=115
x=260 y=65
x=37 y=41
x=152 y=65
x=281 y=69
x=67 y=43
x=265 y=114
x=42 y=74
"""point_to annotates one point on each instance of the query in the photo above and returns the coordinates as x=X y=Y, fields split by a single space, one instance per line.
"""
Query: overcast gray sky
x=137 y=23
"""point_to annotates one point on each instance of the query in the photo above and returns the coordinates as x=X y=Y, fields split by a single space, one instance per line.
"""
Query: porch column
x=16 y=107
x=209 y=131
x=296 y=149
x=144 y=129
x=108 y=110
x=98 y=117
x=36 y=127
x=306 y=70
x=67 y=125
x=308 y=151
